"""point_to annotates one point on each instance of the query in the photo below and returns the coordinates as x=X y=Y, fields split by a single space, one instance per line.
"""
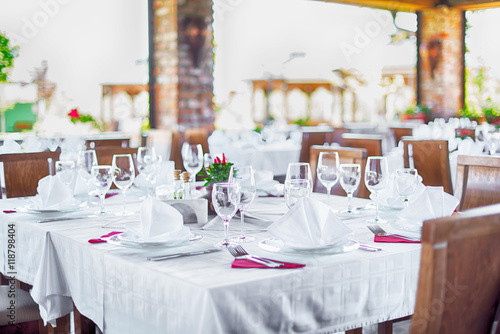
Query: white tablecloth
x=123 y=293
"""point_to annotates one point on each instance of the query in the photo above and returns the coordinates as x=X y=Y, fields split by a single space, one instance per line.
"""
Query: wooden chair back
x=178 y=139
x=478 y=181
x=313 y=136
x=197 y=136
x=431 y=159
x=346 y=155
x=399 y=132
x=371 y=142
x=95 y=144
x=459 y=282
x=22 y=171
x=105 y=155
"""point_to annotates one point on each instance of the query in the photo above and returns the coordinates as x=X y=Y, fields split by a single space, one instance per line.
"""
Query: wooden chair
x=313 y=136
x=431 y=159
x=23 y=171
x=346 y=155
x=197 y=136
x=399 y=132
x=459 y=282
x=95 y=144
x=371 y=142
x=478 y=181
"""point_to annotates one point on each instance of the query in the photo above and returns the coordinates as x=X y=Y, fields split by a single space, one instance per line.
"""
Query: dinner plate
x=51 y=213
x=120 y=240
x=407 y=225
x=278 y=246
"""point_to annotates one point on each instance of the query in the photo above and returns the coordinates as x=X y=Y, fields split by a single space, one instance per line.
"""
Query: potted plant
x=7 y=55
x=218 y=171
x=417 y=112
x=470 y=113
x=492 y=113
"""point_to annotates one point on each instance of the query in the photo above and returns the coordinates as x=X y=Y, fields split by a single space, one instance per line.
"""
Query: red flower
x=74 y=113
x=217 y=160
x=223 y=159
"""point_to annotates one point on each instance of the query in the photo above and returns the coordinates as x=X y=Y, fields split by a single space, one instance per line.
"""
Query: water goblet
x=406 y=183
x=102 y=178
x=147 y=164
x=192 y=158
x=225 y=199
x=328 y=170
x=350 y=177
x=376 y=176
x=244 y=177
x=298 y=183
x=123 y=177
x=65 y=171
x=86 y=160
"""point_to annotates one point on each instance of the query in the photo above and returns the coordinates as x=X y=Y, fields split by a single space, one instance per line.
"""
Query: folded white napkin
x=432 y=203
x=309 y=223
x=390 y=198
x=52 y=194
x=159 y=222
x=10 y=146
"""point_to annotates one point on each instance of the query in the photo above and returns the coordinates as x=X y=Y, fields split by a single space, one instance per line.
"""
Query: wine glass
x=244 y=177
x=86 y=160
x=192 y=158
x=147 y=163
x=123 y=177
x=328 y=170
x=406 y=183
x=225 y=198
x=298 y=182
x=350 y=177
x=65 y=171
x=376 y=175
x=103 y=178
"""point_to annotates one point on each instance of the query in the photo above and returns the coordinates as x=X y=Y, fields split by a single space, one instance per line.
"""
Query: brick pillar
x=440 y=67
x=183 y=63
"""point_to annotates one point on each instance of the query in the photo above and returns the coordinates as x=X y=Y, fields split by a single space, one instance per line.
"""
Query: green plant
x=470 y=113
x=492 y=113
x=76 y=117
x=7 y=55
x=218 y=171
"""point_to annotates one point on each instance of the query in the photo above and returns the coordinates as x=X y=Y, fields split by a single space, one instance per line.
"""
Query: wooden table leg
x=355 y=331
x=83 y=325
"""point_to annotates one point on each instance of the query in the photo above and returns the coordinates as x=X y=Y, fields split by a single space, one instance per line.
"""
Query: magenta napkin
x=393 y=239
x=250 y=264
x=96 y=241
x=9 y=211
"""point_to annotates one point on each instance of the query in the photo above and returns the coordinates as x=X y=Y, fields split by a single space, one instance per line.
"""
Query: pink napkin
x=250 y=264
x=393 y=239
x=9 y=211
x=96 y=241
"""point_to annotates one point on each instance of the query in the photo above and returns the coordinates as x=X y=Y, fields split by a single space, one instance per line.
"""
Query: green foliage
x=302 y=121
x=217 y=172
x=7 y=55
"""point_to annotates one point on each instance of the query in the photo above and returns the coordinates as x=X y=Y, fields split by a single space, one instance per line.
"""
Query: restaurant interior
x=230 y=183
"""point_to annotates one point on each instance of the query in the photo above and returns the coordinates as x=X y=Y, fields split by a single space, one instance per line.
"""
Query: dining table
x=121 y=291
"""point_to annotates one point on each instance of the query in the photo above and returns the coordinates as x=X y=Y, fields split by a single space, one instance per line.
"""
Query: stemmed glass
x=376 y=174
x=328 y=170
x=147 y=162
x=65 y=171
x=192 y=158
x=406 y=183
x=123 y=177
x=225 y=198
x=298 y=182
x=86 y=160
x=244 y=177
x=103 y=178
x=350 y=177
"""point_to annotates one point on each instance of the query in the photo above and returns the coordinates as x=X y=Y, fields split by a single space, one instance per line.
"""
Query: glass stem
x=242 y=219
x=376 y=208
x=349 y=197
x=102 y=196
x=226 y=228
x=124 y=191
x=328 y=191
x=147 y=186
x=405 y=202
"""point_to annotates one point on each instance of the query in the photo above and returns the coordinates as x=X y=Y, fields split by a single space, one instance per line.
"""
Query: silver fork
x=239 y=253
x=377 y=230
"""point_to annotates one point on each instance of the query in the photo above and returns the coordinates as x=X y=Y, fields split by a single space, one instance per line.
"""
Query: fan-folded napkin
x=53 y=194
x=432 y=203
x=309 y=223
x=159 y=222
x=389 y=197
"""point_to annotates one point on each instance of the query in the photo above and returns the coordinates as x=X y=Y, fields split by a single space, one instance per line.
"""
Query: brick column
x=183 y=63
x=440 y=66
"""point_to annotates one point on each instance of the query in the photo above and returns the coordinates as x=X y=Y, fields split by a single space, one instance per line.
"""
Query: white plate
x=50 y=213
x=126 y=242
x=407 y=225
x=278 y=246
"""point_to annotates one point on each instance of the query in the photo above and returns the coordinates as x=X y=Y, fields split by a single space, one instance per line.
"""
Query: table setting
x=152 y=271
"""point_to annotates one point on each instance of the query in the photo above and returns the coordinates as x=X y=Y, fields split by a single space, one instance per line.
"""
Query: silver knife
x=171 y=256
x=369 y=248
